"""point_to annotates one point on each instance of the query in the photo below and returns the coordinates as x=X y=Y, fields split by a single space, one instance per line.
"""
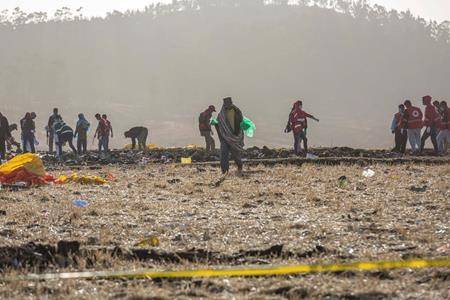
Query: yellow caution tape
x=242 y=272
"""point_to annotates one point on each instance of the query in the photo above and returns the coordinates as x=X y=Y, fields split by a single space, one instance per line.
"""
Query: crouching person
x=140 y=134
x=64 y=134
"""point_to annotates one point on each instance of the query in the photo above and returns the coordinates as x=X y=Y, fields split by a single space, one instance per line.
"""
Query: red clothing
x=204 y=121
x=103 y=128
x=431 y=116
x=298 y=119
x=414 y=117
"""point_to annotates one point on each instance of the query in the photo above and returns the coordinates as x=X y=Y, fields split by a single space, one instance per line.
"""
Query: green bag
x=213 y=122
x=248 y=127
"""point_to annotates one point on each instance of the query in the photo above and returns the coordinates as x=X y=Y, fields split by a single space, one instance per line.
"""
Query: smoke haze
x=351 y=65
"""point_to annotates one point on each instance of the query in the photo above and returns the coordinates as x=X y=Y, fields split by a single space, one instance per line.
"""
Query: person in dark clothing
x=398 y=128
x=28 y=128
x=50 y=132
x=205 y=128
x=64 y=134
x=231 y=135
x=5 y=134
x=81 y=132
x=11 y=141
x=140 y=134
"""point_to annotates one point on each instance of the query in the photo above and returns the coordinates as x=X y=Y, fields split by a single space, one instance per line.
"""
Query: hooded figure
x=431 y=121
x=231 y=135
x=81 y=132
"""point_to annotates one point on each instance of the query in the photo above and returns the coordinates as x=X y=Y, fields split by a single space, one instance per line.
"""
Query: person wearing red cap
x=204 y=126
x=431 y=121
x=414 y=125
x=298 y=124
x=443 y=137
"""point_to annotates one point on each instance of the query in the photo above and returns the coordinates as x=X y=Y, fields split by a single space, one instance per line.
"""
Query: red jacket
x=414 y=117
x=297 y=119
x=431 y=116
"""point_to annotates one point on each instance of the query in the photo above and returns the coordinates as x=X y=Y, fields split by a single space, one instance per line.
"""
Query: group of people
x=409 y=121
x=59 y=133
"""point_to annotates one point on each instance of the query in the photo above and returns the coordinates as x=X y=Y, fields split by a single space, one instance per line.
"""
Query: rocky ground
x=282 y=214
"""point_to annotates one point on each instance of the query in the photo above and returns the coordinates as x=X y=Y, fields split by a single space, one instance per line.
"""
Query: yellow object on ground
x=244 y=272
x=192 y=146
x=186 y=160
x=80 y=179
x=28 y=161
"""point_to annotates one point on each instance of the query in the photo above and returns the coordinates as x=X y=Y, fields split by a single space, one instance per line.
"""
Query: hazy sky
x=429 y=9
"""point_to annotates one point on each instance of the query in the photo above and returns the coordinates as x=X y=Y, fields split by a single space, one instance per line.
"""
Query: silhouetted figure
x=414 y=125
x=140 y=134
x=28 y=129
x=443 y=137
x=64 y=134
x=50 y=132
x=5 y=134
x=298 y=124
x=81 y=133
x=431 y=122
x=11 y=141
x=102 y=133
x=398 y=128
x=204 y=126
x=110 y=130
x=231 y=135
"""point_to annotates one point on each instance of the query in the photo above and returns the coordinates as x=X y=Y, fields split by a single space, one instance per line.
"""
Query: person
x=102 y=133
x=5 y=134
x=49 y=127
x=110 y=130
x=231 y=135
x=398 y=128
x=11 y=141
x=205 y=127
x=81 y=133
x=64 y=134
x=298 y=124
x=140 y=134
x=431 y=120
x=414 y=125
x=443 y=137
x=28 y=129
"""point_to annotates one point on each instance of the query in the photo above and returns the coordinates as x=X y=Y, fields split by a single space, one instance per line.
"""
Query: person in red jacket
x=204 y=126
x=398 y=128
x=414 y=125
x=298 y=124
x=431 y=120
x=443 y=137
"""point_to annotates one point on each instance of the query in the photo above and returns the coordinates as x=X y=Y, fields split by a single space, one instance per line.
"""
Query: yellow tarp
x=80 y=179
x=29 y=161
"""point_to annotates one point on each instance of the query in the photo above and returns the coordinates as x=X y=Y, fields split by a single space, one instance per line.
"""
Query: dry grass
x=300 y=207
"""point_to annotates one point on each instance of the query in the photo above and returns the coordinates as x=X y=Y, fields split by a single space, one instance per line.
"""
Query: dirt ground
x=401 y=212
